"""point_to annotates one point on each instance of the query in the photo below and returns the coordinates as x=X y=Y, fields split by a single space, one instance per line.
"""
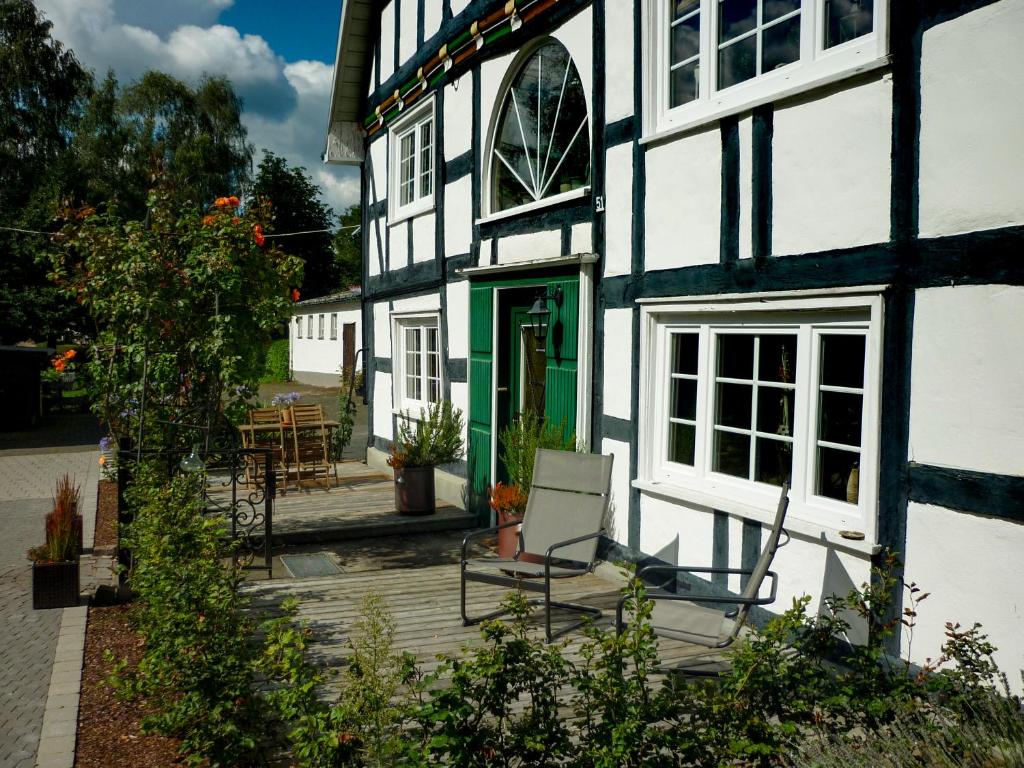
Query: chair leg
x=468 y=621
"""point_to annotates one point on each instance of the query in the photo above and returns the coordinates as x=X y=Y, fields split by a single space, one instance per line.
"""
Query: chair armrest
x=570 y=542
x=484 y=532
x=693 y=569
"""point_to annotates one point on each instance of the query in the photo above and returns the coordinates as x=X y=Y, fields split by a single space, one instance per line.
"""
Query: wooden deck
x=361 y=505
x=424 y=603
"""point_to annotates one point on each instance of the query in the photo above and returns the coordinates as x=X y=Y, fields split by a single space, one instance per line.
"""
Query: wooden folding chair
x=311 y=450
x=267 y=433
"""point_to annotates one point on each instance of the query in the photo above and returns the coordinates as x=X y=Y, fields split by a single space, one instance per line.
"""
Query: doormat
x=307 y=566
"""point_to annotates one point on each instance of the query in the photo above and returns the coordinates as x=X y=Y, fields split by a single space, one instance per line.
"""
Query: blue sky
x=279 y=54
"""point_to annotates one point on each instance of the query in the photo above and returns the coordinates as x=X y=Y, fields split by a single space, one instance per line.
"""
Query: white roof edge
x=522 y=266
x=345 y=30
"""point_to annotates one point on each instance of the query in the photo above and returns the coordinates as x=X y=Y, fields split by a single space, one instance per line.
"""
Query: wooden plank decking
x=424 y=603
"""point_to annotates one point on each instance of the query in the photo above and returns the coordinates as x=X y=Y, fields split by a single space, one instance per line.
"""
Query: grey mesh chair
x=563 y=521
x=676 y=616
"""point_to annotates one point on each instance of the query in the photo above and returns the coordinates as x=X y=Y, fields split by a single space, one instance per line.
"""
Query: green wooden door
x=481 y=367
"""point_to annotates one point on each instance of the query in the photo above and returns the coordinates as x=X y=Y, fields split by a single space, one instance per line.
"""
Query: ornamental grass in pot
x=55 y=567
x=437 y=438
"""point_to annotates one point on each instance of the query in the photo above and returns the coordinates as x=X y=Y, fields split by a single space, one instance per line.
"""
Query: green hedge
x=275 y=367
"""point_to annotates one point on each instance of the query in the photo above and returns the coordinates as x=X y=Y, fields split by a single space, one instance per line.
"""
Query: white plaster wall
x=398 y=245
x=618 y=56
x=492 y=75
x=577 y=35
x=972 y=567
x=683 y=201
x=381 y=330
x=618 y=362
x=746 y=137
x=424 y=246
x=458 y=117
x=458 y=216
x=581 y=238
x=972 y=116
x=458 y=6
x=967 y=378
x=379 y=170
x=407 y=33
x=324 y=355
x=618 y=215
x=458 y=318
x=373 y=255
x=678 y=534
x=432 y=10
x=618 y=522
x=831 y=170
x=535 y=245
x=460 y=399
x=382 y=406
x=427 y=302
x=387 y=41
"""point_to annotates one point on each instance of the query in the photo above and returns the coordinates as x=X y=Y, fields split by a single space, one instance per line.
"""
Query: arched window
x=542 y=138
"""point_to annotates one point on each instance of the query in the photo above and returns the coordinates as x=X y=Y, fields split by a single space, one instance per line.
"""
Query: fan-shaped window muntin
x=541 y=142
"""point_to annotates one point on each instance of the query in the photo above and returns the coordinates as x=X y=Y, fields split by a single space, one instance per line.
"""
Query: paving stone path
x=28 y=638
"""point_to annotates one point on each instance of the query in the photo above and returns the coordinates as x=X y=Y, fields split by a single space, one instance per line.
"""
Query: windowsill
x=561 y=197
x=411 y=211
x=745 y=99
x=803 y=529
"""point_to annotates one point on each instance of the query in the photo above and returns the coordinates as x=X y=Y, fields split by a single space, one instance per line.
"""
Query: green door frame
x=561 y=377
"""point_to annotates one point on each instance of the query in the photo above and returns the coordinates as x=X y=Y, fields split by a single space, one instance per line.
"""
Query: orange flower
x=221 y=202
x=235 y=220
x=234 y=202
x=59 y=364
x=70 y=354
x=209 y=219
x=257 y=235
x=295 y=294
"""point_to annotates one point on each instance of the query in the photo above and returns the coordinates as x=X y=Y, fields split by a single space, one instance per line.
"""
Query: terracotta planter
x=508 y=538
x=414 y=490
x=55 y=585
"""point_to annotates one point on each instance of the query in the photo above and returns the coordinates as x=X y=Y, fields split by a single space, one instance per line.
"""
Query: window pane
x=774 y=9
x=684 y=399
x=426 y=160
x=683 y=84
x=775 y=411
x=684 y=353
x=773 y=462
x=732 y=403
x=735 y=17
x=736 y=356
x=846 y=20
x=407 y=168
x=412 y=339
x=737 y=62
x=838 y=475
x=432 y=345
x=681 y=442
x=777 y=359
x=434 y=391
x=685 y=39
x=842 y=360
x=681 y=8
x=840 y=418
x=732 y=454
x=780 y=44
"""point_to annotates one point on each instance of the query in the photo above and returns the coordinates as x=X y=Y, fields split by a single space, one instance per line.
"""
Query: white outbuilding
x=325 y=337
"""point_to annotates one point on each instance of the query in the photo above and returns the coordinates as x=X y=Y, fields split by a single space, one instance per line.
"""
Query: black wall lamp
x=540 y=314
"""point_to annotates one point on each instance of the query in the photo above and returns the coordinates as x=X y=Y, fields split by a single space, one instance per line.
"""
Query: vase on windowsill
x=436 y=439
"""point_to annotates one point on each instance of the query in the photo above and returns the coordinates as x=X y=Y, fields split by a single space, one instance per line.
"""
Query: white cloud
x=285 y=103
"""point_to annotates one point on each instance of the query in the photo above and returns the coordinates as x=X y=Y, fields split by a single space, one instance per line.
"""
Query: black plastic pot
x=414 y=490
x=55 y=585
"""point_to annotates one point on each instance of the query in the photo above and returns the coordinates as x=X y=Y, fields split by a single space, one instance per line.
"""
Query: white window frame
x=309 y=326
x=334 y=326
x=320 y=328
x=699 y=484
x=404 y=403
x=411 y=123
x=298 y=326
x=817 y=66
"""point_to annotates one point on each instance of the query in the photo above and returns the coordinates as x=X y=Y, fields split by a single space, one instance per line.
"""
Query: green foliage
x=437 y=438
x=499 y=703
x=342 y=436
x=184 y=306
x=348 y=247
x=297 y=207
x=275 y=365
x=520 y=441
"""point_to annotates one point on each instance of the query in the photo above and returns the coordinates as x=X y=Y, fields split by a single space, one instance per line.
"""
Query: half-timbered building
x=729 y=242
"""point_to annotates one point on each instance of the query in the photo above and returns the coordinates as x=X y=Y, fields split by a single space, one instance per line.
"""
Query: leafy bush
x=275 y=362
x=520 y=441
x=342 y=436
x=436 y=438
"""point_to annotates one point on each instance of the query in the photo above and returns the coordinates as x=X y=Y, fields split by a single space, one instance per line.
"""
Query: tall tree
x=348 y=247
x=297 y=207
x=43 y=90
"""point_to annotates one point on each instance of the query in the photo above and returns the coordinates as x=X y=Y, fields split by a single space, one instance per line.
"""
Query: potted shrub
x=55 y=571
x=435 y=439
x=509 y=504
x=284 y=402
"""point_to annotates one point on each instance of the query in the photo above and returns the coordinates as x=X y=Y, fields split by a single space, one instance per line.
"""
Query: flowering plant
x=286 y=399
x=63 y=526
x=507 y=501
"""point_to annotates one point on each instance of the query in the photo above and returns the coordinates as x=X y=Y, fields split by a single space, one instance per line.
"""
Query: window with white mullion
x=684 y=52
x=413 y=364
x=754 y=37
x=426 y=176
x=681 y=394
x=412 y=162
x=840 y=407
